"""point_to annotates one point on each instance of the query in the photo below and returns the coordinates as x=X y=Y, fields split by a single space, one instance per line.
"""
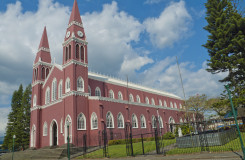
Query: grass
x=116 y=151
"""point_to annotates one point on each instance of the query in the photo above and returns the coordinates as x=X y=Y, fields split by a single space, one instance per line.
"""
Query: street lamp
x=13 y=147
x=68 y=140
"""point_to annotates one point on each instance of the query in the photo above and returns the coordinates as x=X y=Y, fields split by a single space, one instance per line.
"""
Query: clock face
x=68 y=34
x=80 y=33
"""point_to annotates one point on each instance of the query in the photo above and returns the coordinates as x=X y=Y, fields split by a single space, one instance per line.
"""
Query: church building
x=68 y=94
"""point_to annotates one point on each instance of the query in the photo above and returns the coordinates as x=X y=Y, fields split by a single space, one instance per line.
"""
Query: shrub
x=242 y=128
x=168 y=135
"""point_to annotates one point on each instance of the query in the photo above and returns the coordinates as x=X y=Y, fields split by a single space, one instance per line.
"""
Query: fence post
x=234 y=114
x=142 y=140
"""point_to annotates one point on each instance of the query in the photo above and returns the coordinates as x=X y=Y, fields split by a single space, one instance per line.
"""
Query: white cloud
x=172 y=25
x=152 y=1
x=4 y=119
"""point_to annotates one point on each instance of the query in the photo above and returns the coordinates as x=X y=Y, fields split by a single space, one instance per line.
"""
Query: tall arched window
x=82 y=53
x=134 y=121
x=45 y=129
x=142 y=121
x=111 y=94
x=160 y=121
x=120 y=120
x=47 y=96
x=60 y=89
x=131 y=98
x=171 y=105
x=77 y=51
x=47 y=72
x=67 y=54
x=153 y=121
x=34 y=101
x=120 y=96
x=89 y=90
x=147 y=100
x=81 y=122
x=109 y=120
x=80 y=84
x=94 y=121
x=68 y=84
x=97 y=92
x=138 y=98
x=180 y=106
x=152 y=101
x=69 y=51
x=160 y=102
x=165 y=104
x=43 y=73
x=54 y=89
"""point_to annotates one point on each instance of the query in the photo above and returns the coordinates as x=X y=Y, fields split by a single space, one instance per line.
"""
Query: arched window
x=120 y=96
x=69 y=51
x=109 y=120
x=160 y=102
x=60 y=89
x=171 y=105
x=165 y=104
x=80 y=84
x=160 y=122
x=45 y=129
x=134 y=121
x=37 y=74
x=111 y=94
x=97 y=92
x=131 y=98
x=94 y=121
x=152 y=101
x=47 y=96
x=138 y=98
x=146 y=100
x=43 y=73
x=180 y=106
x=34 y=100
x=47 y=72
x=120 y=120
x=142 y=121
x=82 y=53
x=54 y=89
x=153 y=121
x=77 y=51
x=67 y=54
x=175 y=105
x=171 y=127
x=68 y=84
x=89 y=90
x=81 y=122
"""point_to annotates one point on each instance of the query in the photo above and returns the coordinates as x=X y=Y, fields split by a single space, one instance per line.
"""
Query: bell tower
x=75 y=45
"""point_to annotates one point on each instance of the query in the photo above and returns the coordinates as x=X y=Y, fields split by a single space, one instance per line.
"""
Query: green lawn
x=116 y=151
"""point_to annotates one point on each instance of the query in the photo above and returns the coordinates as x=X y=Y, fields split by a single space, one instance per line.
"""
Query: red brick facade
x=57 y=101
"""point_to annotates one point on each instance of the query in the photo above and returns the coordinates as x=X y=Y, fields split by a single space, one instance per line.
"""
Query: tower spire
x=44 y=40
x=75 y=15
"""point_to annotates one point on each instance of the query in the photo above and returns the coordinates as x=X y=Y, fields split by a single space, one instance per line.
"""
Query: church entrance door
x=54 y=134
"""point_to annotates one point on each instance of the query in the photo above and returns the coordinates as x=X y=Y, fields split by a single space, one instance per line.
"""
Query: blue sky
x=136 y=38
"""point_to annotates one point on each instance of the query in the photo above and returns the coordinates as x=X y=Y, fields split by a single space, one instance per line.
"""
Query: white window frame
x=45 y=129
x=111 y=94
x=80 y=84
x=171 y=105
x=93 y=120
x=175 y=105
x=60 y=92
x=134 y=124
x=78 y=121
x=165 y=104
x=47 y=95
x=68 y=85
x=131 y=97
x=54 y=89
x=142 y=121
x=160 y=122
x=147 y=100
x=120 y=96
x=34 y=101
x=152 y=101
x=153 y=119
x=120 y=118
x=160 y=102
x=89 y=91
x=97 y=90
x=138 y=98
x=107 y=120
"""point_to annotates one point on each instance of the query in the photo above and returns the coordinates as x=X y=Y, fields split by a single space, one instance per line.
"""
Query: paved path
x=200 y=156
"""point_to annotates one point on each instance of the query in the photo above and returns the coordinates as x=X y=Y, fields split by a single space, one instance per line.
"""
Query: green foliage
x=186 y=129
x=134 y=140
x=18 y=120
x=168 y=135
x=242 y=128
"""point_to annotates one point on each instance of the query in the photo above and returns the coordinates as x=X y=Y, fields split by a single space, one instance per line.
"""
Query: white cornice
x=75 y=93
x=43 y=49
x=73 y=38
x=114 y=81
x=76 y=23
x=130 y=103
x=37 y=82
x=42 y=63
x=72 y=61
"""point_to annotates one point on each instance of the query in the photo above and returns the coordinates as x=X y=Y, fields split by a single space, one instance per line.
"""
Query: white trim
x=111 y=94
x=136 y=121
x=122 y=120
x=112 y=117
x=34 y=100
x=141 y=121
x=73 y=61
x=91 y=120
x=84 y=117
x=43 y=49
x=42 y=64
x=45 y=129
x=76 y=23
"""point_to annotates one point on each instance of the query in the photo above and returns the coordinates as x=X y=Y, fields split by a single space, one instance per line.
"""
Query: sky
x=139 y=39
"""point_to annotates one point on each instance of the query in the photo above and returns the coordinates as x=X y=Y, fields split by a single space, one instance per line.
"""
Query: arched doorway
x=53 y=133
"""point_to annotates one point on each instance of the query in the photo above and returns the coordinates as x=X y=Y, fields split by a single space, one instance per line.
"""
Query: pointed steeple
x=43 y=53
x=44 y=40
x=75 y=15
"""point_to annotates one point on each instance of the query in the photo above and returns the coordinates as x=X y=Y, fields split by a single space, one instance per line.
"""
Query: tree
x=219 y=105
x=19 y=119
x=225 y=45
